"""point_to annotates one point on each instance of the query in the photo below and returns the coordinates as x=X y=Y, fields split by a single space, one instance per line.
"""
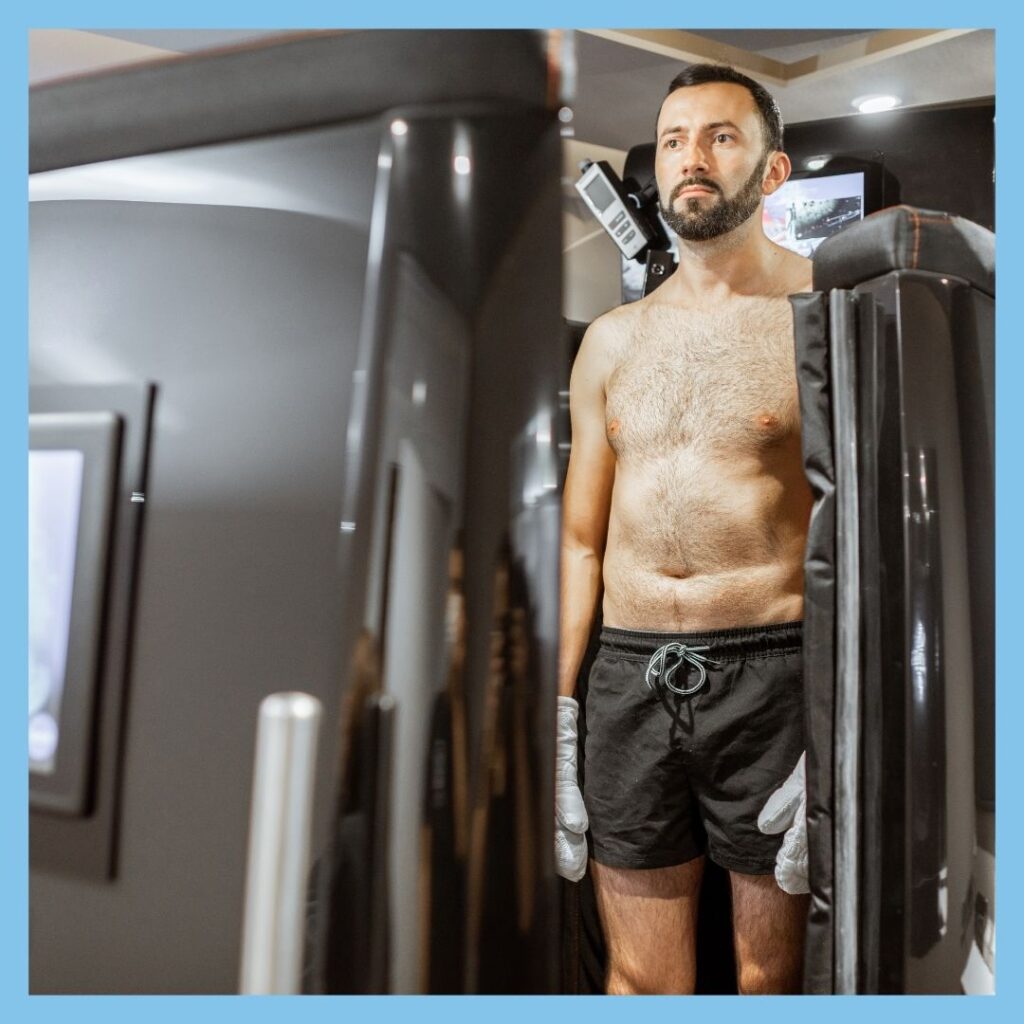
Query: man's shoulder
x=796 y=272
x=616 y=320
x=608 y=332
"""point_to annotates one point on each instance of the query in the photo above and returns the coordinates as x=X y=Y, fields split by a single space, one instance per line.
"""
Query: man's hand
x=570 y=815
x=787 y=809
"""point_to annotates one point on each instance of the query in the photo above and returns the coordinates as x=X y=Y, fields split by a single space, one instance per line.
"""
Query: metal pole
x=279 y=840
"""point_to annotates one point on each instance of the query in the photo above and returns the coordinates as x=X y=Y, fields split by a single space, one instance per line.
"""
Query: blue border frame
x=13 y=442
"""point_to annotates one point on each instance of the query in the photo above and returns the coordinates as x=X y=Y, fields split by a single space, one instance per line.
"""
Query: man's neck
x=742 y=262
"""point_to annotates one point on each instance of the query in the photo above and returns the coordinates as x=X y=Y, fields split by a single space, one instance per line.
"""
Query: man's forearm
x=580 y=590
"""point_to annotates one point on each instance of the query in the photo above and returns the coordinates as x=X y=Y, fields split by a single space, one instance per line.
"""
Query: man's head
x=719 y=151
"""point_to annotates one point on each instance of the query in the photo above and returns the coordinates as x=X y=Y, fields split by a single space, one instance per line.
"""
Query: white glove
x=570 y=815
x=787 y=809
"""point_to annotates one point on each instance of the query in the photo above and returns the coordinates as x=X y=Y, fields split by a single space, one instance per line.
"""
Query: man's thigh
x=768 y=933
x=649 y=918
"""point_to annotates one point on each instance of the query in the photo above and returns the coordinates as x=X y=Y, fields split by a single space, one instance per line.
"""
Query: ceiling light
x=462 y=165
x=399 y=127
x=815 y=163
x=875 y=102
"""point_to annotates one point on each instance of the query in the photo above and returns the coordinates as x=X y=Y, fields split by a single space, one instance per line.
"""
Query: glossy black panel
x=923 y=383
x=915 y=448
x=449 y=538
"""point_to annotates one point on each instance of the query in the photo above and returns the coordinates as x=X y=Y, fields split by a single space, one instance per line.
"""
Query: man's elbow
x=581 y=550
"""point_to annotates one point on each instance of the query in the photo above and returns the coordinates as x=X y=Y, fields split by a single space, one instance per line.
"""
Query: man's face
x=710 y=159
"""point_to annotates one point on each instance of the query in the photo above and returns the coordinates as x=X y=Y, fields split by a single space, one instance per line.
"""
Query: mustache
x=690 y=183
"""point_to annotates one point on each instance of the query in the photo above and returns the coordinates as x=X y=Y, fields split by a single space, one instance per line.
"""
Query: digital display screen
x=54 y=503
x=806 y=211
x=600 y=194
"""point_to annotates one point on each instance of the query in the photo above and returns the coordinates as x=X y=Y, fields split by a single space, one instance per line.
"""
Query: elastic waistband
x=743 y=642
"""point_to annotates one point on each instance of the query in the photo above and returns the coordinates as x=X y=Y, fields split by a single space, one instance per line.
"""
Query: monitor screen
x=806 y=211
x=54 y=502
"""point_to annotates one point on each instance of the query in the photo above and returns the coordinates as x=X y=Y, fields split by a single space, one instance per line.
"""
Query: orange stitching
x=917 y=220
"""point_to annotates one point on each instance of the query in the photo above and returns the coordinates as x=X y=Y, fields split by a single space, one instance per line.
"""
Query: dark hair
x=767 y=108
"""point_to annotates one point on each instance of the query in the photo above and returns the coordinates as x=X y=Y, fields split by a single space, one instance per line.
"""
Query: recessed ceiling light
x=399 y=127
x=875 y=102
x=815 y=163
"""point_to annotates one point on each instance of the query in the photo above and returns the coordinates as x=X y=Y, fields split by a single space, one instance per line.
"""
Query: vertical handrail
x=279 y=841
x=842 y=316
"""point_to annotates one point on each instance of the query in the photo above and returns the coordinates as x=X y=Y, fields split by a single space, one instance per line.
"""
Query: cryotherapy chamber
x=295 y=356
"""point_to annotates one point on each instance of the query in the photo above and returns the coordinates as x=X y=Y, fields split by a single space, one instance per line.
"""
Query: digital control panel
x=600 y=190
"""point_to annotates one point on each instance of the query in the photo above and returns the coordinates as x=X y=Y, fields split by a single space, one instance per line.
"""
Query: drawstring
x=656 y=667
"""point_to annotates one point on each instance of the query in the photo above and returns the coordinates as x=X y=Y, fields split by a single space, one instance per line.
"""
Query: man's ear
x=777 y=172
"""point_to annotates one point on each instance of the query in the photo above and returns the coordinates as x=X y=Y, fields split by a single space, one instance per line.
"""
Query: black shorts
x=669 y=777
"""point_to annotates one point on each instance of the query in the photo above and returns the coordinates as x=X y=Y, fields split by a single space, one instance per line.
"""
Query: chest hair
x=723 y=380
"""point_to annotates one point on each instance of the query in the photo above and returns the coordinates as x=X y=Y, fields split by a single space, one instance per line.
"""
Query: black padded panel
x=905 y=238
x=814 y=372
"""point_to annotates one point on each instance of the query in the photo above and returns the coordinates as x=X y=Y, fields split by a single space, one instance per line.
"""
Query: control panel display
x=601 y=195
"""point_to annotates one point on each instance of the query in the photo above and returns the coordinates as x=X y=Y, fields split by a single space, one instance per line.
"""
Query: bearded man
x=685 y=512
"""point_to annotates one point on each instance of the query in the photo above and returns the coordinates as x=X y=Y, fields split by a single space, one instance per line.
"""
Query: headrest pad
x=639 y=163
x=905 y=238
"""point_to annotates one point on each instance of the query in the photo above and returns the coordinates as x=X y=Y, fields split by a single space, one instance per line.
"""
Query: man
x=686 y=503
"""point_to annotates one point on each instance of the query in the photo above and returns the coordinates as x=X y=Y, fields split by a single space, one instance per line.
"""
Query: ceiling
x=814 y=75
x=622 y=74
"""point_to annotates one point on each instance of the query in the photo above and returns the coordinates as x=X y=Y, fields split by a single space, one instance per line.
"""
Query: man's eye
x=671 y=143
x=723 y=137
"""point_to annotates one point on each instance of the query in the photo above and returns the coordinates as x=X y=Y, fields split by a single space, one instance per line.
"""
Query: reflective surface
x=449 y=532
x=918 y=440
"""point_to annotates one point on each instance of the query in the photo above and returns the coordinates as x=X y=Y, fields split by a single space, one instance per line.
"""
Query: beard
x=701 y=220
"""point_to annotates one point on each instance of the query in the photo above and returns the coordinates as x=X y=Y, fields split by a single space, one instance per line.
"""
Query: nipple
x=768 y=421
x=614 y=427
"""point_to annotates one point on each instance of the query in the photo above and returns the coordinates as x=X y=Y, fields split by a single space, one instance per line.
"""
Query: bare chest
x=722 y=381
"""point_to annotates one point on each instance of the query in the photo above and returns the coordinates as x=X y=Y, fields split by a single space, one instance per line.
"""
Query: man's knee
x=648 y=980
x=755 y=979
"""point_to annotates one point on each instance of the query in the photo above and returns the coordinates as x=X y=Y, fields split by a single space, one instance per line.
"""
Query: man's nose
x=694 y=159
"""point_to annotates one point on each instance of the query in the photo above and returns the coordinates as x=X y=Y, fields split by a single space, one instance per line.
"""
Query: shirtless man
x=686 y=503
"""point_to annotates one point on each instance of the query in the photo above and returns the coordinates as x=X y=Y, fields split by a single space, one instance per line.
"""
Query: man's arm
x=586 y=501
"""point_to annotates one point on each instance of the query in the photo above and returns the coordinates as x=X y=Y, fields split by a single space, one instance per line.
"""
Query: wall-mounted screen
x=72 y=481
x=54 y=502
x=807 y=210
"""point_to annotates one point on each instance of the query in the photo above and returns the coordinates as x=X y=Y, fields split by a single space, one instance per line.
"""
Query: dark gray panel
x=246 y=321
x=257 y=90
